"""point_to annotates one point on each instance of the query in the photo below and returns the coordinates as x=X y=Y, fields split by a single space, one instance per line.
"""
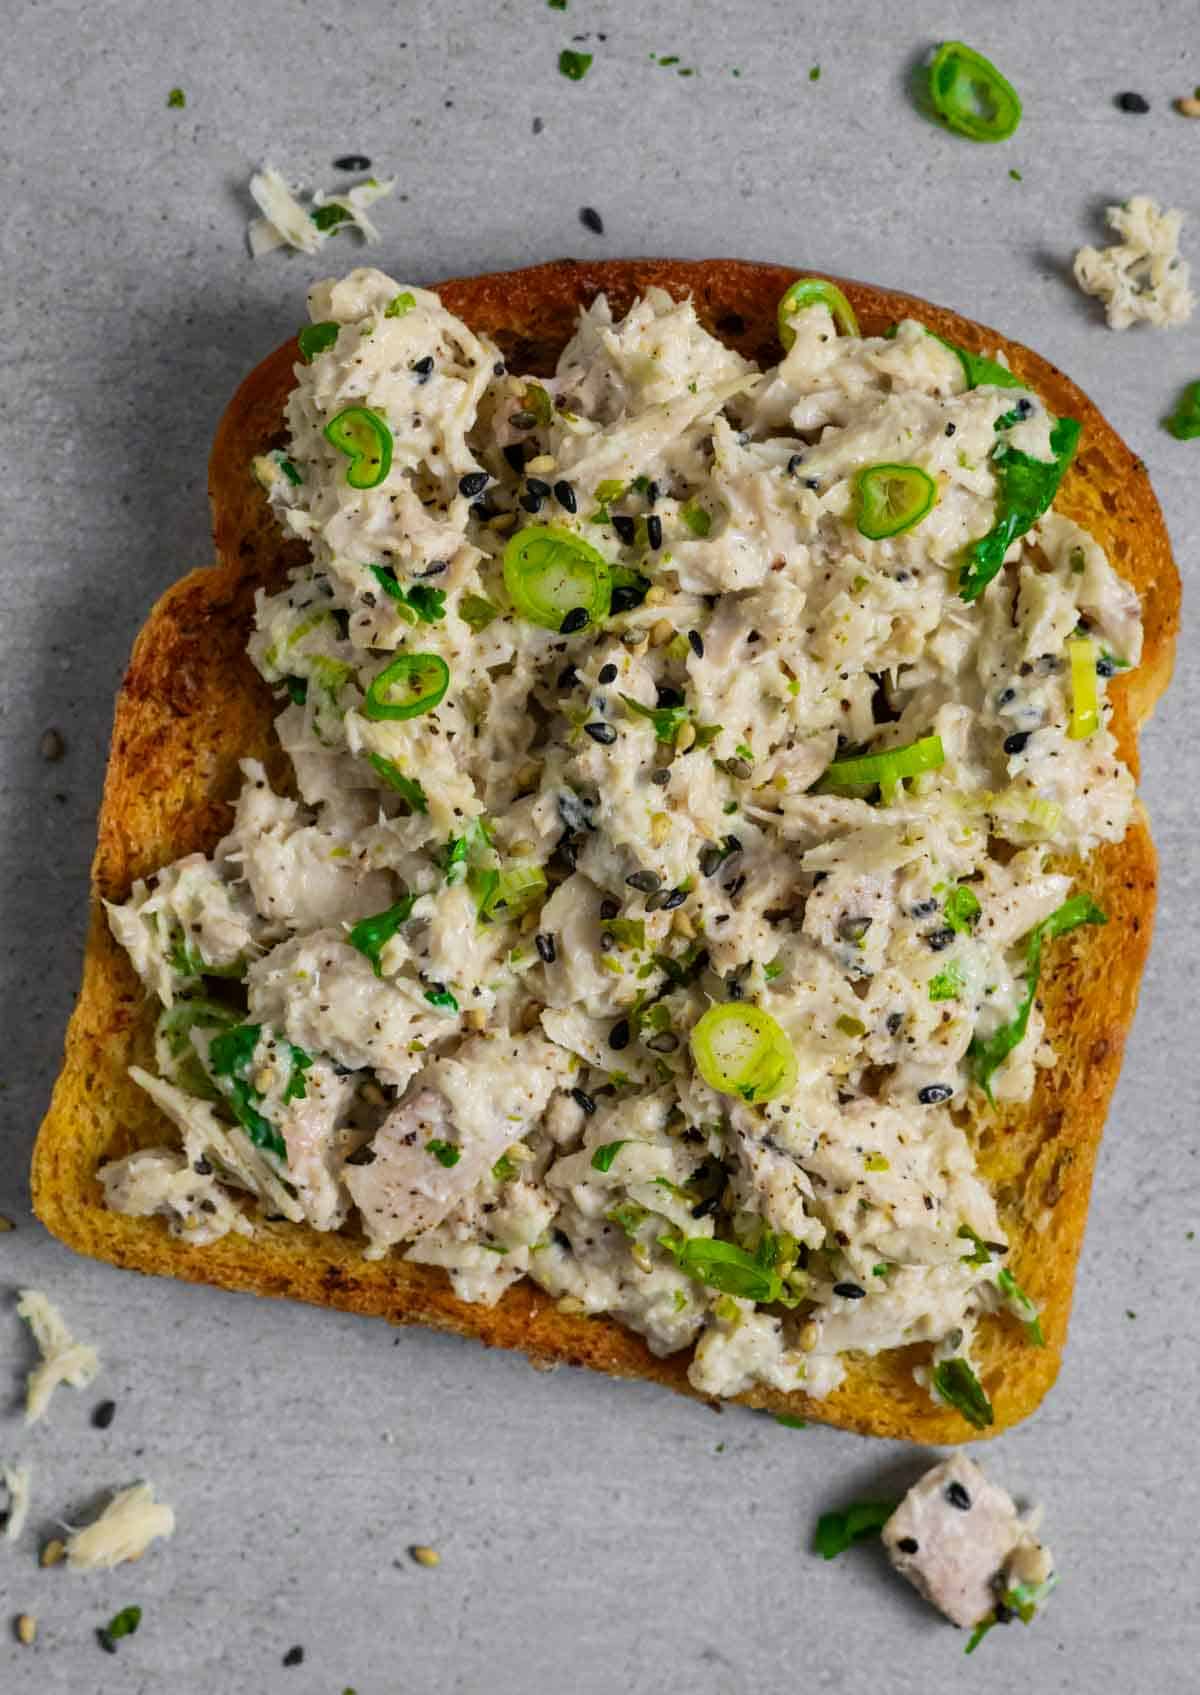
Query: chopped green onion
x=741 y=1050
x=986 y=1054
x=1085 y=697
x=1184 y=422
x=838 y=1531
x=507 y=894
x=958 y=1386
x=230 y=1055
x=400 y=305
x=628 y=932
x=1019 y=1303
x=446 y=1153
x=537 y=400
x=123 y=1624
x=814 y=291
x=961 y=909
x=407 y=787
x=177 y=98
x=604 y=1155
x=666 y=719
x=1026 y=488
x=421 y=679
x=892 y=499
x=574 y=66
x=886 y=769
x=970 y=95
x=947 y=984
x=551 y=573
x=371 y=935
x=315 y=338
x=980 y=1253
x=328 y=218
x=366 y=441
x=477 y=612
x=698 y=521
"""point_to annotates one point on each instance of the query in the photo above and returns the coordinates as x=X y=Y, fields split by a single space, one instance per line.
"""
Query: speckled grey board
x=594 y=1537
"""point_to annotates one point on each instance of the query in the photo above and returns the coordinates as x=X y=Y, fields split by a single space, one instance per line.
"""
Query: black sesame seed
x=202 y=1167
x=894 y=1023
x=514 y=453
x=667 y=696
x=618 y=1036
x=607 y=674
x=584 y=1101
x=422 y=369
x=626 y=596
x=794 y=464
x=104 y=1414
x=933 y=1093
x=711 y=861
x=733 y=889
x=547 y=951
x=294 y=1656
x=565 y=496
x=654 y=530
x=653 y=494
x=703 y=1208
x=608 y=909
x=483 y=510
x=1106 y=666
x=939 y=939
x=568 y=677
x=538 y=126
x=644 y=881
x=813 y=483
x=1129 y=102
x=849 y=1291
x=908 y=1545
x=576 y=619
x=958 y=1496
x=852 y=928
x=696 y=643
x=656 y=901
x=674 y=899
x=922 y=908
x=498 y=368
x=352 y=162
x=625 y=527
x=734 y=987
x=591 y=220
x=473 y=483
x=1016 y=742
x=602 y=733
x=530 y=501
x=535 y=485
x=951 y=429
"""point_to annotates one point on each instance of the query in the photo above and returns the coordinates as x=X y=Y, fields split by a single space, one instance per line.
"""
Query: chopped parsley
x=947 y=984
x=574 y=66
x=444 y=1152
x=604 y=1155
x=419 y=604
x=814 y=74
x=962 y=909
x=667 y=720
x=791 y=1423
x=400 y=305
x=1184 y=422
x=371 y=935
x=121 y=1624
x=328 y=218
x=698 y=521
x=177 y=98
x=231 y=1055
x=441 y=998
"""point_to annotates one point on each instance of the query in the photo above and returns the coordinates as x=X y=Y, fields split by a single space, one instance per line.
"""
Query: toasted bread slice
x=191 y=706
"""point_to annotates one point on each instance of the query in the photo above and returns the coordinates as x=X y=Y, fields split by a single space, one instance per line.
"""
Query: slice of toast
x=191 y=706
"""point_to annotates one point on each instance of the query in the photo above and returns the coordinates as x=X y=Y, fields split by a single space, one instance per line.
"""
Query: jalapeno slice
x=554 y=576
x=969 y=94
x=814 y=291
x=366 y=441
x=413 y=683
x=892 y=499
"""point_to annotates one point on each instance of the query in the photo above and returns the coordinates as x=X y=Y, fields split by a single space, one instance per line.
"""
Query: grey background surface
x=594 y=1536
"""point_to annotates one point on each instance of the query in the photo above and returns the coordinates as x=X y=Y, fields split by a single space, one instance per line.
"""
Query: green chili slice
x=970 y=96
x=315 y=338
x=552 y=574
x=884 y=769
x=740 y=1050
x=815 y=291
x=413 y=683
x=366 y=441
x=892 y=499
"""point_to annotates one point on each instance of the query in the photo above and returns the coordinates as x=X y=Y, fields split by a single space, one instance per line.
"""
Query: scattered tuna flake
x=285 y=222
x=64 y=1360
x=125 y=1529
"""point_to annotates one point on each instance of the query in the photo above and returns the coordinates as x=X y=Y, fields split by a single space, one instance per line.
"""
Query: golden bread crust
x=191 y=706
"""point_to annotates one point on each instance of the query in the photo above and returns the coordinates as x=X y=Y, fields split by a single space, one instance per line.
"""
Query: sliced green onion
x=400 y=305
x=477 y=612
x=970 y=96
x=884 y=769
x=315 y=338
x=551 y=573
x=371 y=935
x=1018 y=1303
x=1085 y=697
x=958 y=1386
x=1026 y=488
x=962 y=909
x=506 y=894
x=892 y=499
x=446 y=1153
x=814 y=291
x=406 y=787
x=698 y=521
x=740 y=1050
x=366 y=441
x=419 y=679
x=840 y=1530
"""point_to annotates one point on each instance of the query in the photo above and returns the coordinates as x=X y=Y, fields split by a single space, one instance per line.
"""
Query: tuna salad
x=680 y=753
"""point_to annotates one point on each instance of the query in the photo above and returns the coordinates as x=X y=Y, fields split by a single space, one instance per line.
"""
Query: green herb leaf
x=604 y=1155
x=407 y=788
x=721 y=1265
x=230 y=1055
x=371 y=935
x=1184 y=422
x=629 y=1216
x=814 y=74
x=791 y=1423
x=573 y=65
x=444 y=1152
x=947 y=984
x=986 y=1054
x=962 y=909
x=328 y=218
x=297 y=1088
x=474 y=610
x=177 y=98
x=666 y=719
x=698 y=521
x=980 y=371
x=290 y=471
x=400 y=305
x=297 y=688
x=840 y=1530
x=629 y=932
x=123 y=1624
x=1020 y=1304
x=1026 y=488
x=959 y=1387
x=441 y=998
x=504 y=1169
x=772 y=970
x=428 y=605
x=316 y=338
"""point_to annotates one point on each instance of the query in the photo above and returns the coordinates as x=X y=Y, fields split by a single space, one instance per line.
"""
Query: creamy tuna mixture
x=443 y=991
